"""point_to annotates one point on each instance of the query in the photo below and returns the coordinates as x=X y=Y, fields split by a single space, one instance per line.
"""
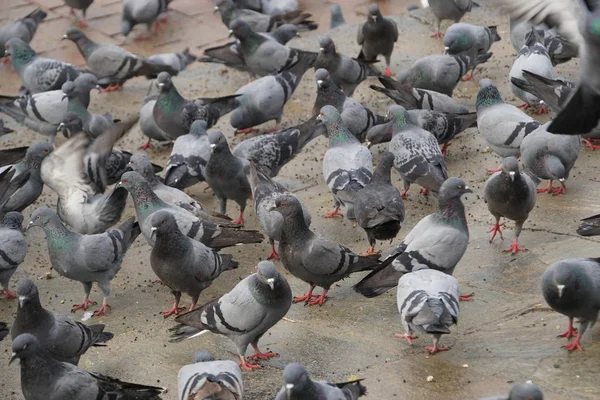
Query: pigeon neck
x=400 y=121
x=338 y=134
x=294 y=227
x=250 y=42
x=383 y=172
x=76 y=106
x=31 y=315
x=453 y=210
x=21 y=57
x=170 y=101
x=329 y=95
x=86 y=46
x=263 y=292
x=169 y=242
x=39 y=370
x=487 y=97
x=55 y=229
x=33 y=164
x=145 y=200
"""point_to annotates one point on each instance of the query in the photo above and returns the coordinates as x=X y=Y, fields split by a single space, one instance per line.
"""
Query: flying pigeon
x=187 y=162
x=208 y=378
x=13 y=249
x=449 y=9
x=23 y=28
x=377 y=36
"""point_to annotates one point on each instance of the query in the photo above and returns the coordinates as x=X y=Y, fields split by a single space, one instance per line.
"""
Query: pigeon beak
x=320 y=117
x=321 y=49
x=298 y=34
x=288 y=389
x=22 y=300
x=153 y=231
x=29 y=225
x=13 y=357
x=446 y=48
x=271 y=283
x=215 y=10
x=374 y=18
x=369 y=144
x=230 y=33
x=560 y=288
x=212 y=147
x=99 y=88
x=60 y=127
x=64 y=37
x=64 y=96
x=468 y=190
x=512 y=175
x=118 y=184
x=160 y=85
x=561 y=180
x=319 y=83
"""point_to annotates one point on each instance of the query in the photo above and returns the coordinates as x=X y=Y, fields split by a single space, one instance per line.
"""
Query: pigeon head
x=510 y=167
x=397 y=115
x=142 y=165
x=288 y=206
x=375 y=136
x=42 y=217
x=329 y=115
x=488 y=95
x=164 y=82
x=71 y=124
x=27 y=292
x=286 y=32
x=374 y=13
x=453 y=188
x=525 y=391
x=202 y=356
x=24 y=346
x=218 y=142
x=267 y=273
x=134 y=183
x=163 y=223
x=592 y=28
x=69 y=89
x=74 y=34
x=19 y=51
x=296 y=378
x=13 y=220
x=198 y=128
x=240 y=29
x=323 y=78
x=36 y=153
x=568 y=282
x=326 y=45
x=456 y=41
x=86 y=82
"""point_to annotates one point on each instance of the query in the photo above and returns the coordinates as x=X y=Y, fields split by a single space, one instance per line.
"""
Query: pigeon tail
x=228 y=263
x=113 y=206
x=224 y=104
x=494 y=30
x=37 y=15
x=99 y=336
x=355 y=387
x=131 y=230
x=233 y=237
x=7 y=106
x=111 y=387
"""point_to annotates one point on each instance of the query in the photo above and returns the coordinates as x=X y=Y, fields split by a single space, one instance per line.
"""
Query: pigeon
x=589 y=226
x=337 y=18
x=299 y=386
x=86 y=258
x=23 y=28
x=94 y=125
x=3 y=330
x=13 y=249
x=263 y=99
x=357 y=118
x=347 y=165
x=572 y=287
x=112 y=64
x=271 y=152
x=346 y=72
x=38 y=74
x=261 y=22
x=559 y=48
x=64 y=339
x=263 y=56
x=574 y=21
x=449 y=9
x=312 y=258
x=440 y=73
x=208 y=378
x=533 y=57
x=438 y=242
x=414 y=98
x=278 y=7
x=178 y=61
x=43 y=112
x=503 y=126
x=444 y=126
x=473 y=40
x=417 y=155
x=30 y=190
x=377 y=36
x=378 y=206
x=510 y=193
x=244 y=314
x=187 y=162
x=140 y=164
x=44 y=378
x=549 y=156
x=3 y=129
x=148 y=125
x=428 y=302
x=209 y=233
x=175 y=114
x=181 y=263
x=142 y=12
x=521 y=391
x=225 y=174
x=265 y=191
x=82 y=5
x=76 y=171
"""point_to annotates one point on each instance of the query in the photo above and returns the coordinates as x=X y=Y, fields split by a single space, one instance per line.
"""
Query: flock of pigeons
x=186 y=238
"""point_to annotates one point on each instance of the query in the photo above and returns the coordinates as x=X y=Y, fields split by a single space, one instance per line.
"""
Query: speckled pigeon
x=377 y=36
x=13 y=249
x=208 y=378
x=23 y=28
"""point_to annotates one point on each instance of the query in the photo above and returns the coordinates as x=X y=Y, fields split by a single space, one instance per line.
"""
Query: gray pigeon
x=378 y=206
x=38 y=74
x=377 y=36
x=263 y=100
x=346 y=72
x=23 y=28
x=208 y=378
x=413 y=98
x=549 y=156
x=140 y=164
x=31 y=189
x=533 y=57
x=64 y=339
x=337 y=18
x=44 y=378
x=112 y=64
x=148 y=125
x=94 y=125
x=437 y=242
x=417 y=154
x=511 y=194
x=261 y=22
x=271 y=152
x=428 y=302
x=43 y=112
x=13 y=248
x=86 y=258
x=82 y=5
x=181 y=263
x=226 y=176
x=521 y=391
x=142 y=12
x=473 y=40
x=265 y=191
x=357 y=118
x=244 y=314
x=347 y=165
x=209 y=233
x=312 y=258
x=448 y=9
x=572 y=288
x=187 y=162
x=299 y=386
x=175 y=114
x=178 y=61
x=503 y=126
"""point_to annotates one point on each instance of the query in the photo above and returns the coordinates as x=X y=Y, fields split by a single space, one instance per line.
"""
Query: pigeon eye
x=283 y=204
x=163 y=222
x=125 y=181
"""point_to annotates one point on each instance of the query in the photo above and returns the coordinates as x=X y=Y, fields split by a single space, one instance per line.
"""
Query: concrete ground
x=506 y=334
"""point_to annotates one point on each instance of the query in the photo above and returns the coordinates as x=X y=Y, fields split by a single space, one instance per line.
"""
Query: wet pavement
x=506 y=334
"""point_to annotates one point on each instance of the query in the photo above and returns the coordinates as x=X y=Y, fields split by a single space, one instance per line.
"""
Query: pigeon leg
x=548 y=188
x=320 y=300
x=334 y=213
x=277 y=129
x=103 y=309
x=496 y=229
x=72 y=12
x=436 y=348
x=309 y=295
x=5 y=60
x=388 y=71
x=8 y=295
x=147 y=145
x=424 y=191
x=175 y=309
x=409 y=338
x=83 y=305
x=244 y=131
x=112 y=88
x=82 y=23
x=468 y=77
x=370 y=252
x=570 y=332
x=524 y=106
x=591 y=143
x=143 y=37
x=541 y=109
x=248 y=366
x=164 y=19
x=574 y=345
x=274 y=255
x=493 y=171
x=445 y=148
x=559 y=190
x=240 y=220
x=514 y=248
x=404 y=193
x=260 y=355
x=466 y=297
